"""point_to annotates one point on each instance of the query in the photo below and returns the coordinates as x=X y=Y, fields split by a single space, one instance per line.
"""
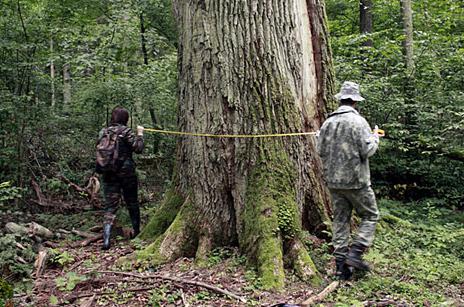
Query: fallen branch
x=184 y=300
x=39 y=263
x=90 y=191
x=97 y=228
x=39 y=230
x=50 y=244
x=20 y=246
x=321 y=296
x=33 y=229
x=83 y=234
x=88 y=241
x=75 y=265
x=88 y=303
x=179 y=280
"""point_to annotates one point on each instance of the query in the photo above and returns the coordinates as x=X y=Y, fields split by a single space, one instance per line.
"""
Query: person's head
x=119 y=115
x=349 y=94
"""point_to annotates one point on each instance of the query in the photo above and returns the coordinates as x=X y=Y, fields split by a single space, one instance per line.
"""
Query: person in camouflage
x=123 y=181
x=345 y=143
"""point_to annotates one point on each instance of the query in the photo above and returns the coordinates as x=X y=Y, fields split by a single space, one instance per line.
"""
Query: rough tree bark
x=365 y=20
x=248 y=67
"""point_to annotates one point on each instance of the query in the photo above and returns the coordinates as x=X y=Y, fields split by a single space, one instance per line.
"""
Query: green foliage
x=69 y=282
x=218 y=255
x=41 y=137
x=417 y=255
x=6 y=291
x=163 y=295
x=9 y=255
x=53 y=300
x=8 y=193
x=426 y=158
x=61 y=258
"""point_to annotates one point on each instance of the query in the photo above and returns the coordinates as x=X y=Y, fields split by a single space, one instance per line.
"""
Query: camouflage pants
x=363 y=202
x=113 y=187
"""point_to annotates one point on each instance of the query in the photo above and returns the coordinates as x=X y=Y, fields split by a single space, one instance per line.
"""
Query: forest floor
x=418 y=260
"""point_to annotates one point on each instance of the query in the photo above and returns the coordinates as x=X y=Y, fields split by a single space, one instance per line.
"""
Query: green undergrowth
x=418 y=257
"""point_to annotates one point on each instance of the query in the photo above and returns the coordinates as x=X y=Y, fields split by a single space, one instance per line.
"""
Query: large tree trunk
x=248 y=67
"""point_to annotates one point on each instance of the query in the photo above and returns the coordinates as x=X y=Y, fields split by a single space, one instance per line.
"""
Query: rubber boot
x=106 y=236
x=134 y=213
x=342 y=270
x=354 y=258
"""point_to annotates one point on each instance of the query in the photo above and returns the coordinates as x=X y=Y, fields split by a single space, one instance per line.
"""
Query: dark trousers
x=114 y=187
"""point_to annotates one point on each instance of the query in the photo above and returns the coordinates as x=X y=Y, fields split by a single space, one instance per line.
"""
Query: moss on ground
x=163 y=216
x=417 y=257
x=177 y=241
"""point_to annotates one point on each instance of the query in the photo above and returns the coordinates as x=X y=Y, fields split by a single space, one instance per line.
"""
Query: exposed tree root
x=163 y=216
x=302 y=263
x=269 y=225
x=177 y=241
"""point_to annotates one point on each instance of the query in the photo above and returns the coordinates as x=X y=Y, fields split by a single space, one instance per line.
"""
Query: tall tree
x=365 y=20
x=248 y=67
x=52 y=75
x=66 y=85
x=406 y=14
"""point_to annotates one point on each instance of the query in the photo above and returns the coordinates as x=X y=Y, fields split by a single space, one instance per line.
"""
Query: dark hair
x=119 y=115
x=347 y=102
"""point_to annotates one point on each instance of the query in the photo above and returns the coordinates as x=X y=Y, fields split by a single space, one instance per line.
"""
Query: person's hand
x=378 y=132
x=140 y=130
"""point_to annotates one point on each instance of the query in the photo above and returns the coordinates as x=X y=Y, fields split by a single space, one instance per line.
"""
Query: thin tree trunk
x=406 y=13
x=409 y=87
x=365 y=20
x=66 y=86
x=52 y=75
x=247 y=68
x=156 y=136
x=143 y=40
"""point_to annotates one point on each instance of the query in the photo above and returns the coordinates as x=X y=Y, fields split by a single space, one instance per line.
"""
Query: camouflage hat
x=350 y=90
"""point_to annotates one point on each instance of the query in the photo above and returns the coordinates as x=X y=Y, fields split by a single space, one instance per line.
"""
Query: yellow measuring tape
x=230 y=135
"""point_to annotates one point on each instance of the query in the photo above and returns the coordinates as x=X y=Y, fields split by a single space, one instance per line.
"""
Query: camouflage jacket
x=344 y=144
x=128 y=143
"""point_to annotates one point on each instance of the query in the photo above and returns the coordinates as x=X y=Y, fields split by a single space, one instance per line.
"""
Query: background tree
x=408 y=45
x=425 y=161
x=365 y=20
x=252 y=68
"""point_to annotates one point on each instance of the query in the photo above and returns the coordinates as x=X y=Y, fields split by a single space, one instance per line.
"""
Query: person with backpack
x=115 y=146
x=345 y=143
